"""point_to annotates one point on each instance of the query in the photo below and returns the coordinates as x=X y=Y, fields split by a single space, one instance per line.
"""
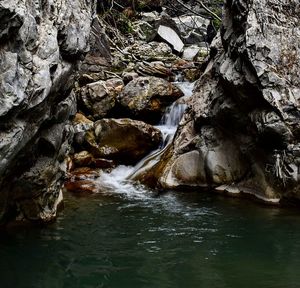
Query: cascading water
x=118 y=181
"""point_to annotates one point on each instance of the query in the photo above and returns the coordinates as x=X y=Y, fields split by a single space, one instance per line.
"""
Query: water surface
x=174 y=240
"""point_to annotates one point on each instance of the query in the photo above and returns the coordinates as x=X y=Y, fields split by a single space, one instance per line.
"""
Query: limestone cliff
x=242 y=130
x=41 y=42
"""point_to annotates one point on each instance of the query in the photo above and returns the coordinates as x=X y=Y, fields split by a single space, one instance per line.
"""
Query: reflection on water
x=174 y=240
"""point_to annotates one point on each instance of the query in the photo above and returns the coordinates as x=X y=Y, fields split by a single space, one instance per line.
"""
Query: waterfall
x=118 y=181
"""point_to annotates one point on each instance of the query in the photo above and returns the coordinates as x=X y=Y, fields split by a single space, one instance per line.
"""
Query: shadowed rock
x=124 y=140
x=41 y=42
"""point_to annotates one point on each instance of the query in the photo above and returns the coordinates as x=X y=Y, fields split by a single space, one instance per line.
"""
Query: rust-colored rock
x=81 y=186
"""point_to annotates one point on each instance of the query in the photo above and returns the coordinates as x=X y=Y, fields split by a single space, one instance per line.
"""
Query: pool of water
x=173 y=240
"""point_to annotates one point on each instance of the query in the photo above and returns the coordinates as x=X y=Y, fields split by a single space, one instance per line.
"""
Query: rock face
x=243 y=124
x=40 y=45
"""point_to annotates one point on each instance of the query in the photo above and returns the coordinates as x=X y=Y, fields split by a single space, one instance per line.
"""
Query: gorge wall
x=241 y=132
x=41 y=42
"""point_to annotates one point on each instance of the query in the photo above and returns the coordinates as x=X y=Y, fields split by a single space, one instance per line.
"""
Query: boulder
x=99 y=98
x=146 y=98
x=86 y=159
x=208 y=160
x=99 y=56
x=83 y=173
x=81 y=181
x=191 y=74
x=170 y=36
x=125 y=141
x=187 y=170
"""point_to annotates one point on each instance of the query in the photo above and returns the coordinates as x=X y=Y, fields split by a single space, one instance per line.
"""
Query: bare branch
x=208 y=10
x=204 y=7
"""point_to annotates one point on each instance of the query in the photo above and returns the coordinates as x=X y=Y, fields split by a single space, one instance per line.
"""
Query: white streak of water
x=117 y=181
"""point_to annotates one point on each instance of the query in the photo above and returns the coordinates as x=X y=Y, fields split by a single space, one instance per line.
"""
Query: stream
x=174 y=240
x=121 y=179
x=129 y=236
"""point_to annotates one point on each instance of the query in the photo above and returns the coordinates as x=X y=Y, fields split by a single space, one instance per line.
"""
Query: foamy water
x=118 y=181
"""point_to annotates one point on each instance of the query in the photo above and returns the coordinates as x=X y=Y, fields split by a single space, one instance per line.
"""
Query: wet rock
x=81 y=181
x=86 y=159
x=187 y=170
x=122 y=140
x=81 y=187
x=99 y=98
x=83 y=173
x=146 y=98
x=36 y=184
x=103 y=163
x=83 y=159
x=212 y=161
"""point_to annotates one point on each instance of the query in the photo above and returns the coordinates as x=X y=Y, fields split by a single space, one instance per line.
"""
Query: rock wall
x=40 y=43
x=242 y=130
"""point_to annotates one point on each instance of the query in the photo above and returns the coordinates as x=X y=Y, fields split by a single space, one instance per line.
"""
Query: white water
x=118 y=181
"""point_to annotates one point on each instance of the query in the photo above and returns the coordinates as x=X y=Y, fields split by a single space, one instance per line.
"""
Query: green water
x=175 y=240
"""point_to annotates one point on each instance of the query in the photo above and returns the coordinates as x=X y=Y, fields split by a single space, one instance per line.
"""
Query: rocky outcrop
x=40 y=45
x=243 y=123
